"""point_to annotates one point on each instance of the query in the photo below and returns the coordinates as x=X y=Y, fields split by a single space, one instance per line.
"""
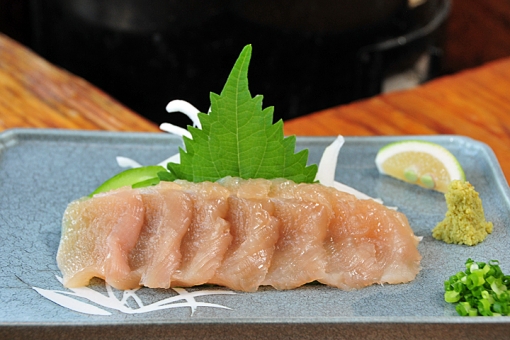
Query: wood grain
x=473 y=103
x=35 y=93
x=476 y=32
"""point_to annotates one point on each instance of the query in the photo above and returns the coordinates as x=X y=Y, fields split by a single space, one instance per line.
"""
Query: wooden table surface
x=474 y=103
x=36 y=94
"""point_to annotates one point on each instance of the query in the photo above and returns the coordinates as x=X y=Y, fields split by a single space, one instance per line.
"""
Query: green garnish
x=238 y=138
x=482 y=289
x=136 y=178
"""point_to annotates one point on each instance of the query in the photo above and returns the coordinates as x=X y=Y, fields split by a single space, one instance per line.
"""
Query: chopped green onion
x=475 y=279
x=482 y=289
x=451 y=296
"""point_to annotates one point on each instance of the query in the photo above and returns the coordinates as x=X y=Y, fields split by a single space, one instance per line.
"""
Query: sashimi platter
x=229 y=229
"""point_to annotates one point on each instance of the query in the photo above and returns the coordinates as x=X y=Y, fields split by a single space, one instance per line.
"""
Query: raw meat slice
x=304 y=214
x=115 y=217
x=254 y=230
x=368 y=243
x=237 y=233
x=204 y=245
x=168 y=214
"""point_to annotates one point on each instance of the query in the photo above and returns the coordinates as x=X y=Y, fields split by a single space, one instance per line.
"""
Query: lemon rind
x=437 y=151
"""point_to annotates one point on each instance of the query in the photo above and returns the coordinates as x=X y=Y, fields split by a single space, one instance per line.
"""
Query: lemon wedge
x=423 y=163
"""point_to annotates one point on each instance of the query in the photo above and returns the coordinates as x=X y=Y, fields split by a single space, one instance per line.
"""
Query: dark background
x=298 y=64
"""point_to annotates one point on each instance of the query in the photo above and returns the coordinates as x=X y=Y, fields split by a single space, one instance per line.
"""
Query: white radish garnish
x=125 y=162
x=327 y=168
x=175 y=130
x=327 y=165
x=186 y=108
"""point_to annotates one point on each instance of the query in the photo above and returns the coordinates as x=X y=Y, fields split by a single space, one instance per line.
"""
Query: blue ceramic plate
x=41 y=171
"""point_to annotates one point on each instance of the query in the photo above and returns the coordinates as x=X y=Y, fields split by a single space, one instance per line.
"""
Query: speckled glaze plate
x=41 y=171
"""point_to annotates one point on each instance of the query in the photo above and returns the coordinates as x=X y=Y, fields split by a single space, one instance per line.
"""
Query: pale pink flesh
x=299 y=256
x=254 y=230
x=168 y=215
x=81 y=257
x=304 y=213
x=368 y=244
x=204 y=245
x=238 y=233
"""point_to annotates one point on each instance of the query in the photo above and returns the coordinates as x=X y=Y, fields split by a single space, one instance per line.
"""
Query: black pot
x=319 y=16
x=306 y=53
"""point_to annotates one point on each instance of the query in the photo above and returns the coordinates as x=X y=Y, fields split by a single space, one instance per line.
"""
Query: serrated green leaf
x=238 y=138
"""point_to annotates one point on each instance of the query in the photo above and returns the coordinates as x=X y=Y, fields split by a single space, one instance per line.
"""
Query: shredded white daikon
x=175 y=130
x=327 y=168
x=327 y=165
x=189 y=110
x=125 y=162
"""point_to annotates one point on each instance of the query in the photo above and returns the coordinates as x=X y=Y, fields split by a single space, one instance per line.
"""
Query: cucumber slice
x=136 y=177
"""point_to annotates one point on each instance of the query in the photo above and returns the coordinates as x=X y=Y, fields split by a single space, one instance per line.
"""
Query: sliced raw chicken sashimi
x=208 y=237
x=168 y=214
x=98 y=235
x=304 y=213
x=368 y=243
x=241 y=234
x=254 y=230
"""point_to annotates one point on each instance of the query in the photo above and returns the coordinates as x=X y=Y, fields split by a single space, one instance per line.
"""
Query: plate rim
x=8 y=137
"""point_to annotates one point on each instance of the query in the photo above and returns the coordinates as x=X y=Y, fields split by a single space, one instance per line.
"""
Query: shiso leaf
x=238 y=138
